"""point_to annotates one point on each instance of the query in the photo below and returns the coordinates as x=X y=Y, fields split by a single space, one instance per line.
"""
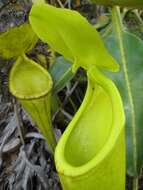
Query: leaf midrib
x=119 y=33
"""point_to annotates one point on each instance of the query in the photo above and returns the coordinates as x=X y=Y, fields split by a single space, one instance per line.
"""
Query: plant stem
x=60 y=3
x=118 y=29
x=135 y=183
x=138 y=16
x=19 y=122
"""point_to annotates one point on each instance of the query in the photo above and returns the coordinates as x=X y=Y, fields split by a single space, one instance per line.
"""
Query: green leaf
x=55 y=103
x=16 y=41
x=130 y=84
x=38 y=1
x=123 y=3
x=70 y=34
x=61 y=72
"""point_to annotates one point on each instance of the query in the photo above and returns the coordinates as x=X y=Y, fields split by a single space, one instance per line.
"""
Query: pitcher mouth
x=28 y=80
x=73 y=161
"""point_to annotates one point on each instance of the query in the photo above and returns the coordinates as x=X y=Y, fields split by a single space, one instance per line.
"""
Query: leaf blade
x=131 y=93
x=16 y=41
x=61 y=71
x=63 y=33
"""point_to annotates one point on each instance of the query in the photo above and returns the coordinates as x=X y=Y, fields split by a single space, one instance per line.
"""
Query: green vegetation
x=91 y=153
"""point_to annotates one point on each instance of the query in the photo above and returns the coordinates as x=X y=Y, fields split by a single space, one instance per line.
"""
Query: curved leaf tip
x=71 y=35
